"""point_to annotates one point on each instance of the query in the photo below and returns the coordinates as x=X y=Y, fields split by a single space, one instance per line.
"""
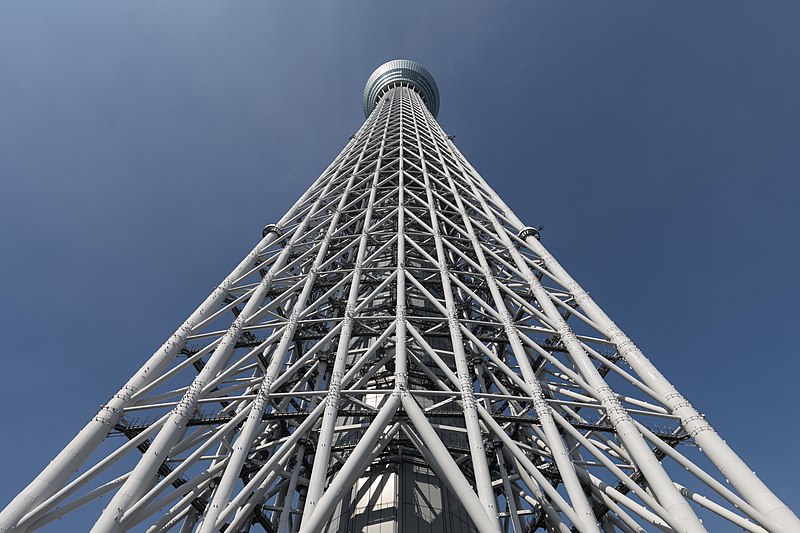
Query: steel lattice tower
x=399 y=353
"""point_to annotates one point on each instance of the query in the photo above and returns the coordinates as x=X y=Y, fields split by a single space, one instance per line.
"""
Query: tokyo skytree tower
x=399 y=353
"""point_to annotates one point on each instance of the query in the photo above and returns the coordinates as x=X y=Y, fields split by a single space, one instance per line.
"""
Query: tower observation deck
x=398 y=353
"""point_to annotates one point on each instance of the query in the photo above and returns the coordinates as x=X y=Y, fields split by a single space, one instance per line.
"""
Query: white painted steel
x=713 y=446
x=399 y=323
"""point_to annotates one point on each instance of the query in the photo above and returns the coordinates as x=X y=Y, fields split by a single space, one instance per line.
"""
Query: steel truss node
x=399 y=352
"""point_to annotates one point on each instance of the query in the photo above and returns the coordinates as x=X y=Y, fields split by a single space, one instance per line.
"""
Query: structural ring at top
x=391 y=73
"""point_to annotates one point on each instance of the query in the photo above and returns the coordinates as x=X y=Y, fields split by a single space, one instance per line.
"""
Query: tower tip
x=392 y=72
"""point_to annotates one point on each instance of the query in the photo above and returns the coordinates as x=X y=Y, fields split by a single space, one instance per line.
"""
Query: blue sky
x=143 y=146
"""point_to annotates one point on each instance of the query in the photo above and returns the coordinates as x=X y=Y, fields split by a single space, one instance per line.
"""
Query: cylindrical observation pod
x=401 y=72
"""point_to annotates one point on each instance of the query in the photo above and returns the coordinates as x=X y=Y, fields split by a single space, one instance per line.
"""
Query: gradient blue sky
x=144 y=145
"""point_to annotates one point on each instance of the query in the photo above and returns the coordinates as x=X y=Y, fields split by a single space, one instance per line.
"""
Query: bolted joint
x=529 y=231
x=401 y=381
x=492 y=445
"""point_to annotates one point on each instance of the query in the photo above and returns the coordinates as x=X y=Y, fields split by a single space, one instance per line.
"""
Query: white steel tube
x=480 y=465
x=651 y=468
x=553 y=521
x=245 y=439
x=319 y=471
x=554 y=441
x=714 y=507
x=69 y=460
x=144 y=472
x=511 y=498
x=352 y=468
x=714 y=447
x=717 y=450
x=256 y=486
x=528 y=466
x=449 y=469
x=712 y=483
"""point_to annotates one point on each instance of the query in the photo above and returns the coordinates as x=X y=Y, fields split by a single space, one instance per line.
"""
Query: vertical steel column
x=258 y=484
x=355 y=465
x=557 y=448
x=319 y=471
x=510 y=446
x=248 y=434
x=480 y=465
